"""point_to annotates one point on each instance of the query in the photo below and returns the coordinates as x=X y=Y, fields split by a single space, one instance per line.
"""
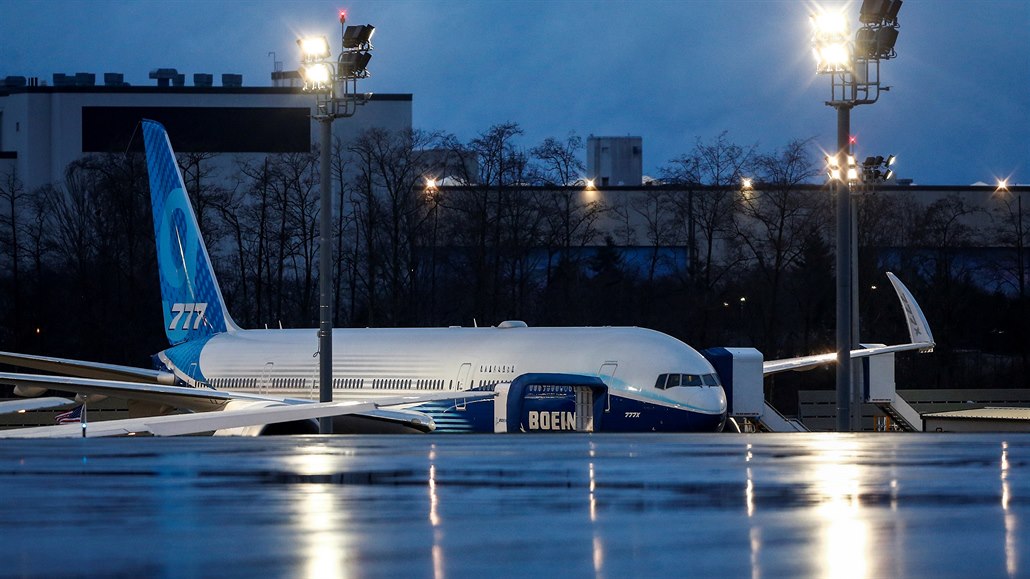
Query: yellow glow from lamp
x=834 y=56
x=314 y=47
x=316 y=75
x=827 y=24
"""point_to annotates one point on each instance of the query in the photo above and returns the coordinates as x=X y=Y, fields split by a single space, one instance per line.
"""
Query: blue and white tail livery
x=190 y=297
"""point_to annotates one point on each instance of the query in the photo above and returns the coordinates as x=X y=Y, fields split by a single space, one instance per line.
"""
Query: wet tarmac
x=792 y=505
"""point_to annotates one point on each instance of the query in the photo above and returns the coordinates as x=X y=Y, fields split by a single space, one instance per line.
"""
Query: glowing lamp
x=316 y=76
x=314 y=47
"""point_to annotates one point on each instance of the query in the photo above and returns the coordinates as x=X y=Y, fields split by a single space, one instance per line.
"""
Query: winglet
x=918 y=328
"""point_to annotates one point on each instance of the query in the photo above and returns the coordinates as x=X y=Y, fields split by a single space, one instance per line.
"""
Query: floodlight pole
x=325 y=311
x=329 y=106
x=844 y=385
x=855 y=80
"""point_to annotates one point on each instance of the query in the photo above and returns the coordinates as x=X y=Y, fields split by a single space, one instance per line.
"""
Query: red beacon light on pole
x=343 y=16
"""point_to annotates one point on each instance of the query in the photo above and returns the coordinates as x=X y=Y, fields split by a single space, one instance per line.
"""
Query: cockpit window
x=666 y=381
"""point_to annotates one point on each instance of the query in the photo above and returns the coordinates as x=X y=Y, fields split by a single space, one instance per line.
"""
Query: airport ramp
x=771 y=420
x=881 y=390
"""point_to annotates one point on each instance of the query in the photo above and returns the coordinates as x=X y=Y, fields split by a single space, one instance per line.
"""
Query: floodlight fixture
x=885 y=39
x=314 y=48
x=832 y=57
x=865 y=43
x=830 y=42
x=358 y=36
x=317 y=76
x=354 y=64
x=833 y=168
x=830 y=24
x=873 y=11
x=892 y=13
x=877 y=169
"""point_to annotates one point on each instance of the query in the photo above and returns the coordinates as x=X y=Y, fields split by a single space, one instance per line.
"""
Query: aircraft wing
x=196 y=423
x=201 y=401
x=918 y=331
x=26 y=404
x=83 y=369
x=196 y=399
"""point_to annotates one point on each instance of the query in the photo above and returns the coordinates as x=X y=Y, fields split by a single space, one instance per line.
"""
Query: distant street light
x=334 y=85
x=432 y=194
x=1002 y=190
x=854 y=70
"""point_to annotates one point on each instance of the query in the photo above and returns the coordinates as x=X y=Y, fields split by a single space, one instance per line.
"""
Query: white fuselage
x=386 y=362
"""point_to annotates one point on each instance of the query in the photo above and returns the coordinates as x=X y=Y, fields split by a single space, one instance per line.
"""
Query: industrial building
x=615 y=161
x=44 y=127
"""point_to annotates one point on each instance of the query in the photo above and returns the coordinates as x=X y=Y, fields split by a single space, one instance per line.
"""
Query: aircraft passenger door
x=607 y=375
x=266 y=378
x=584 y=409
x=462 y=381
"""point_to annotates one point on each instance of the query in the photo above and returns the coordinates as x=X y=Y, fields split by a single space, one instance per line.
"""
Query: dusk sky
x=958 y=110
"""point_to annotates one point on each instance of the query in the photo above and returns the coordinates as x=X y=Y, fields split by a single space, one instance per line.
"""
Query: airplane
x=218 y=377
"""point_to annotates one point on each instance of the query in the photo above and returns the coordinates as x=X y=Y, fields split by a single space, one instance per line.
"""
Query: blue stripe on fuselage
x=623 y=415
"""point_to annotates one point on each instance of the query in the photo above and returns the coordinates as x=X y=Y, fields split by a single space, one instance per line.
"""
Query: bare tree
x=710 y=175
x=778 y=220
x=12 y=193
x=559 y=162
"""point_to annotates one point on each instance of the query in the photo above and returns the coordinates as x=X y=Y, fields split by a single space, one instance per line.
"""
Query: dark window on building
x=200 y=129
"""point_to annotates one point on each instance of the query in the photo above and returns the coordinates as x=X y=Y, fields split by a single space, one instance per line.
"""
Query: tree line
x=513 y=233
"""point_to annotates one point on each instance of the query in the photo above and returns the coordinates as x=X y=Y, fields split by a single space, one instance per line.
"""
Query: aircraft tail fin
x=190 y=297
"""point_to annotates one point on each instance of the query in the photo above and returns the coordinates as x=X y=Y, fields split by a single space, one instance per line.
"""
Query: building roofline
x=256 y=90
x=810 y=187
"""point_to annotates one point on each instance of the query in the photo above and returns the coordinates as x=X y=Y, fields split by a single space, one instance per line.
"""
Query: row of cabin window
x=235 y=382
x=385 y=383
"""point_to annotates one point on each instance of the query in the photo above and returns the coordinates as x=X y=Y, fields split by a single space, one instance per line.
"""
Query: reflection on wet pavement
x=826 y=505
